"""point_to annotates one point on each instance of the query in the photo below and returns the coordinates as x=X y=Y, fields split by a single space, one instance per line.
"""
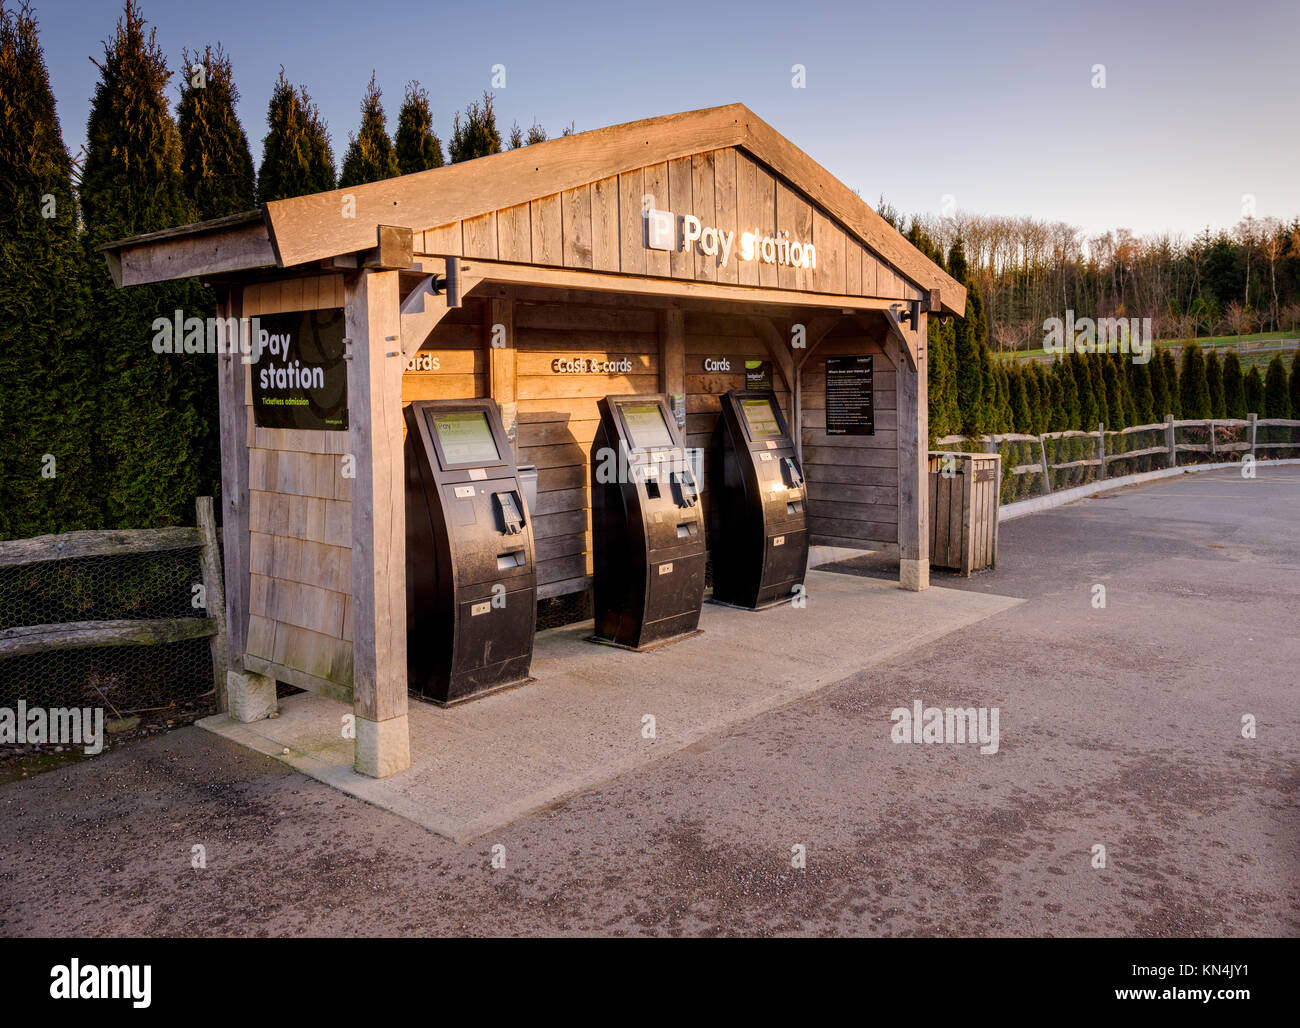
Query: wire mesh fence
x=114 y=623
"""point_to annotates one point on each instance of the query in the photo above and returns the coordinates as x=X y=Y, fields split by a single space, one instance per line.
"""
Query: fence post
x=1047 y=471
x=1252 y=418
x=1171 y=437
x=1213 y=451
x=1101 y=450
x=214 y=594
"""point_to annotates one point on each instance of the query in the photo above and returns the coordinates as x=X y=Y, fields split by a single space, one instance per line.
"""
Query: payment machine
x=647 y=526
x=758 y=534
x=471 y=588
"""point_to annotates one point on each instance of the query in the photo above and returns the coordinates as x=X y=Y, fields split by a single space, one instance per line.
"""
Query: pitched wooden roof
x=310 y=228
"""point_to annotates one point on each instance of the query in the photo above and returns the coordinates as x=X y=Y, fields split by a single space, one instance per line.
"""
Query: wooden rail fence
x=1170 y=449
x=135 y=632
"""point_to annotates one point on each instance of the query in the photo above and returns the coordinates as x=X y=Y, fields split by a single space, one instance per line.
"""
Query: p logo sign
x=659 y=229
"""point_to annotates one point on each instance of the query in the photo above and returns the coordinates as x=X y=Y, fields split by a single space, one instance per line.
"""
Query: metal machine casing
x=470 y=566
x=758 y=534
x=647 y=526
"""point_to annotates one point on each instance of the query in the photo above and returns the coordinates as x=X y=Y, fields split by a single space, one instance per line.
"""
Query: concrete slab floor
x=479 y=766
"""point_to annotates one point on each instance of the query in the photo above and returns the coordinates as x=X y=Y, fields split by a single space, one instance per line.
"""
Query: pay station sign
x=300 y=379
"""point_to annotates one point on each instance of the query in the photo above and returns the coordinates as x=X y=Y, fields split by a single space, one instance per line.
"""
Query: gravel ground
x=1120 y=727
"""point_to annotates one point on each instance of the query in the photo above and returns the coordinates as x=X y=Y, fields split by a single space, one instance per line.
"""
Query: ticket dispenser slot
x=470 y=571
x=758 y=506
x=647 y=526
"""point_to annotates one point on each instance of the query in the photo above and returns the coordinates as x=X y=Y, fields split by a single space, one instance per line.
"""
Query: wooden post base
x=383 y=747
x=914 y=574
x=250 y=696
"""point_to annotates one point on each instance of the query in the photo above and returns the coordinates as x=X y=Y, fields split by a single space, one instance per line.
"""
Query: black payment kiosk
x=471 y=584
x=758 y=533
x=647 y=526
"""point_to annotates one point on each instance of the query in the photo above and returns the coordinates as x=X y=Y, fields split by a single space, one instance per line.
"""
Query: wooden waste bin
x=964 y=495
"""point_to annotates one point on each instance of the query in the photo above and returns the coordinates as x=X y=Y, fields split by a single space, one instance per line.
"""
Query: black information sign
x=300 y=379
x=850 y=404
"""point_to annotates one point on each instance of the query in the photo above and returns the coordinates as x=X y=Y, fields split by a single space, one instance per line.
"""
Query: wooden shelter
x=580 y=274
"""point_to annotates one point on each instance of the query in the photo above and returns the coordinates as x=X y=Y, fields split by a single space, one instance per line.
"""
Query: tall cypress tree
x=47 y=384
x=477 y=135
x=1254 y=392
x=296 y=155
x=157 y=414
x=1193 y=389
x=966 y=352
x=1068 y=418
x=418 y=147
x=1099 y=398
x=1234 y=387
x=1277 y=396
x=1018 y=400
x=1295 y=385
x=1087 y=416
x=1139 y=382
x=1214 y=383
x=1159 y=387
x=1171 y=379
x=1114 y=394
x=216 y=165
x=370 y=156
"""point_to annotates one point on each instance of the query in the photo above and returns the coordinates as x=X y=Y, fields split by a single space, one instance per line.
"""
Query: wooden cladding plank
x=548 y=230
x=532 y=387
x=830 y=275
x=481 y=236
x=795 y=214
x=515 y=234
x=572 y=318
x=447 y=240
x=587 y=344
x=575 y=211
x=296 y=603
x=604 y=224
x=311 y=652
x=310 y=518
x=725 y=212
x=328 y=567
x=704 y=190
x=747 y=214
x=631 y=223
x=443 y=387
x=766 y=189
x=681 y=199
x=655 y=186
x=287 y=471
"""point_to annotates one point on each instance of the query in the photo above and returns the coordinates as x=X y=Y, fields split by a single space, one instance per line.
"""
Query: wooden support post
x=499 y=333
x=1171 y=440
x=214 y=596
x=1253 y=420
x=1213 y=450
x=672 y=360
x=913 y=461
x=379 y=675
x=1101 y=451
x=1047 y=468
x=247 y=696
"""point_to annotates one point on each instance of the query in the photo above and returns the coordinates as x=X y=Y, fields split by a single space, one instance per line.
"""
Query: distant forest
x=1218 y=283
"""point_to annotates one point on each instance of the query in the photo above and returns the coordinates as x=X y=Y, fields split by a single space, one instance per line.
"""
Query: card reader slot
x=512 y=559
x=686 y=490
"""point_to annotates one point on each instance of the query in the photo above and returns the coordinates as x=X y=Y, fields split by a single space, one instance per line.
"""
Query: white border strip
x=1011 y=511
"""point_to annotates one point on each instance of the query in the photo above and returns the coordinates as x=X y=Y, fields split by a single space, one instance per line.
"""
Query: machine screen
x=646 y=424
x=465 y=437
x=760 y=419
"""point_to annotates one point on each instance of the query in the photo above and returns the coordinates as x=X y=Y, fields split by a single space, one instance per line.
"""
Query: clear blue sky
x=990 y=103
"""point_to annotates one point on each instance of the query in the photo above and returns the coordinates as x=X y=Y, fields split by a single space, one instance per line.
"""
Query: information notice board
x=850 y=399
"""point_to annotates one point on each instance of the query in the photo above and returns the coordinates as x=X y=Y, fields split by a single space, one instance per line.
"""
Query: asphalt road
x=1120 y=727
